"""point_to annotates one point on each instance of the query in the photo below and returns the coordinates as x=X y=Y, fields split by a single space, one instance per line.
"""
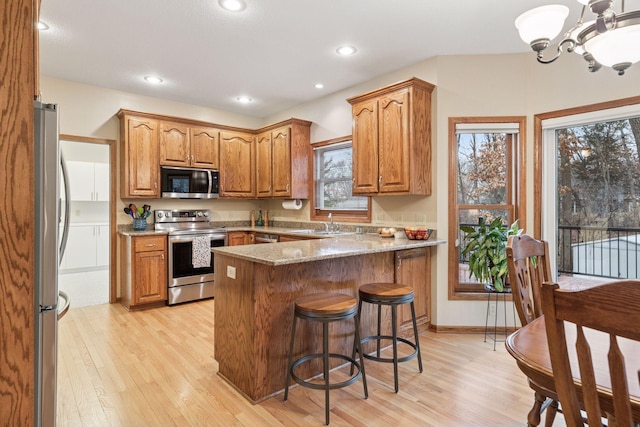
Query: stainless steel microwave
x=188 y=183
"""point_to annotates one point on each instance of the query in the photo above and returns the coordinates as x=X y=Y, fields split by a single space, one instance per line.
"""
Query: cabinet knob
x=287 y=188
x=380 y=178
x=150 y=245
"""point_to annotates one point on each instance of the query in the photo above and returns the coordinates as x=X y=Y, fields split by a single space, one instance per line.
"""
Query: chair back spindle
x=528 y=263
x=612 y=308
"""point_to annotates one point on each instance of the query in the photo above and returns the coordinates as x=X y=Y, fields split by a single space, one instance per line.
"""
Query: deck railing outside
x=594 y=251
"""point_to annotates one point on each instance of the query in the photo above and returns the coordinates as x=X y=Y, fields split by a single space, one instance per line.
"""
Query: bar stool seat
x=393 y=295
x=326 y=308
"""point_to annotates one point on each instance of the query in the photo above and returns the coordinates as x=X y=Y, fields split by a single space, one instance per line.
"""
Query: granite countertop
x=334 y=246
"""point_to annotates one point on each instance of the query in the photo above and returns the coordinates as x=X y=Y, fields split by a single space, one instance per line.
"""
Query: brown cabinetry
x=237 y=165
x=413 y=268
x=283 y=160
x=182 y=145
x=264 y=164
x=392 y=139
x=144 y=271
x=275 y=164
x=236 y=238
x=139 y=157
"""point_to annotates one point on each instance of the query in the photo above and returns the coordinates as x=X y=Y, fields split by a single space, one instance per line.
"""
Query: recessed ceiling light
x=244 y=99
x=346 y=50
x=153 y=79
x=319 y=85
x=233 y=5
x=42 y=26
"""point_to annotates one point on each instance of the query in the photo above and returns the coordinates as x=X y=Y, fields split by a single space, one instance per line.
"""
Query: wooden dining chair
x=529 y=267
x=612 y=308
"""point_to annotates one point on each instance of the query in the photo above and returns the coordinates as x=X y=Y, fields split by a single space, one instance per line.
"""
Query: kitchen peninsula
x=256 y=286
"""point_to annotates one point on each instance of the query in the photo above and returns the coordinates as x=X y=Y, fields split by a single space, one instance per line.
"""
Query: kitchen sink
x=305 y=231
x=332 y=233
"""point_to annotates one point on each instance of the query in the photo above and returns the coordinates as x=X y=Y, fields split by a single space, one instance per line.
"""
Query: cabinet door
x=150 y=277
x=413 y=268
x=365 y=147
x=264 y=162
x=281 y=142
x=393 y=142
x=81 y=181
x=237 y=238
x=102 y=245
x=174 y=144
x=142 y=154
x=204 y=148
x=101 y=182
x=81 y=247
x=237 y=165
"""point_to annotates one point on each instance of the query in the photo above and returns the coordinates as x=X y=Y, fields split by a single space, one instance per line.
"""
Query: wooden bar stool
x=391 y=294
x=326 y=308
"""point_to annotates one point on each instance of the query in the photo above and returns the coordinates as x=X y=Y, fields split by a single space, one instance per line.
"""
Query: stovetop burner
x=187 y=221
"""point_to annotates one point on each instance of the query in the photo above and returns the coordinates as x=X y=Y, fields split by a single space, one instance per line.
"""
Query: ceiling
x=274 y=51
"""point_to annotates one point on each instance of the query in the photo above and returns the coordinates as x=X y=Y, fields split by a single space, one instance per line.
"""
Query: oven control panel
x=187 y=215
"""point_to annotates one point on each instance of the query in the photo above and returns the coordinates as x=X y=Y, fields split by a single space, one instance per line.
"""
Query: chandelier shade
x=544 y=22
x=615 y=47
x=611 y=39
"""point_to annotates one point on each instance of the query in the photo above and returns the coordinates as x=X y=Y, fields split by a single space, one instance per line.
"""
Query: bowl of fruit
x=417 y=233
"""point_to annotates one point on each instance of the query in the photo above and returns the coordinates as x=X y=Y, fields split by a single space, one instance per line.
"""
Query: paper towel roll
x=292 y=204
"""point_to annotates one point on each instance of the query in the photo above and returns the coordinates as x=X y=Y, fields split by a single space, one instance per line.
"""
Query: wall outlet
x=492 y=306
x=231 y=272
x=380 y=217
x=421 y=219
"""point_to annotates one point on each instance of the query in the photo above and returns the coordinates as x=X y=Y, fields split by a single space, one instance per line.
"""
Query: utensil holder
x=139 y=223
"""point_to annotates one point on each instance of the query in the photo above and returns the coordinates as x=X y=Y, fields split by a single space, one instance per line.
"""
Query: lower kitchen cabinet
x=236 y=238
x=413 y=268
x=144 y=271
x=87 y=247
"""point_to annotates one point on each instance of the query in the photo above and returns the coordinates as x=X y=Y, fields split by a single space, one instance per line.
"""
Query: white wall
x=488 y=85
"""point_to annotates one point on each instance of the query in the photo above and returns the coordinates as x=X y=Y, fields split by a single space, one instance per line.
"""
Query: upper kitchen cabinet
x=284 y=160
x=237 y=165
x=139 y=156
x=88 y=181
x=204 y=147
x=264 y=165
x=392 y=139
x=182 y=145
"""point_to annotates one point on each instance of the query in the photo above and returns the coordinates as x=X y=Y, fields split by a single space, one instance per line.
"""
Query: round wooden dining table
x=528 y=345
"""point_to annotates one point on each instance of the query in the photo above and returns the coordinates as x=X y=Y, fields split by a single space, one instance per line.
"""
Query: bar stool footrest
x=389 y=359
x=332 y=386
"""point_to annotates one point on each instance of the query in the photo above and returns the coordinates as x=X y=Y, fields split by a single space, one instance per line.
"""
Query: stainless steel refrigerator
x=47 y=247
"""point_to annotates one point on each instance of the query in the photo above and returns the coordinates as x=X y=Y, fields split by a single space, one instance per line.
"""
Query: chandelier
x=611 y=39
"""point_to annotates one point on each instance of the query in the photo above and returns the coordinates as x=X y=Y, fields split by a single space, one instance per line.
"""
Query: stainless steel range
x=191 y=238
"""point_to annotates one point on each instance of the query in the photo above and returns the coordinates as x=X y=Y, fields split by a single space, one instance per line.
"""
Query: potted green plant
x=486 y=247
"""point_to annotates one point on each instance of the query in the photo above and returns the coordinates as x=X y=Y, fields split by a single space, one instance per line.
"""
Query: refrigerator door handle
x=67 y=207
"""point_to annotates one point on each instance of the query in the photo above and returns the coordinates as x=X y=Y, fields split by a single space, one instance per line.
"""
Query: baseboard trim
x=468 y=329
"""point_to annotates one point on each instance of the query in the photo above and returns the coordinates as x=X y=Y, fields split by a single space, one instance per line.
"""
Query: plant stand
x=493 y=291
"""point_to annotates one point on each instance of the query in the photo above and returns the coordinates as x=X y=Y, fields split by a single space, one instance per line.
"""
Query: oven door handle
x=176 y=239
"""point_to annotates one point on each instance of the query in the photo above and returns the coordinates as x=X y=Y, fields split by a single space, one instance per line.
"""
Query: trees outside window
x=333 y=182
x=598 y=198
x=484 y=182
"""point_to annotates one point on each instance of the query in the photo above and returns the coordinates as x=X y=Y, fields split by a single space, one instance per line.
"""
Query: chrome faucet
x=328 y=227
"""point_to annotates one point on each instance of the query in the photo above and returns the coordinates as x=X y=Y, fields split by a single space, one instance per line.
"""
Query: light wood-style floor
x=157 y=368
